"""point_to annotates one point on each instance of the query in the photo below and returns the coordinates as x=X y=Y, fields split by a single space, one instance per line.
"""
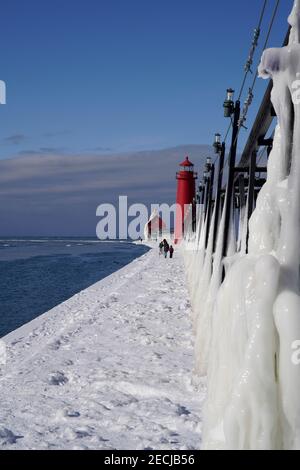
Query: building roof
x=187 y=163
x=156 y=222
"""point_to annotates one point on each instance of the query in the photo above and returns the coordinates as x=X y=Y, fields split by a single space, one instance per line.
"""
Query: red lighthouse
x=186 y=191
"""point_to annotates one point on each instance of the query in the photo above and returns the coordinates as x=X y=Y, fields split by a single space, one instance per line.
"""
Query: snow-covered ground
x=111 y=368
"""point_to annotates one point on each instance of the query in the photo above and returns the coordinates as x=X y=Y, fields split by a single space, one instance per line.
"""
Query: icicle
x=244 y=234
x=203 y=317
x=294 y=21
x=232 y=248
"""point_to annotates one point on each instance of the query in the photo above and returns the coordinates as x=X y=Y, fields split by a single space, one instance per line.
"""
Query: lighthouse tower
x=186 y=191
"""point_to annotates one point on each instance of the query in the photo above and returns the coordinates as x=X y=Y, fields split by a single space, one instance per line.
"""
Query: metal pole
x=252 y=170
x=206 y=181
x=242 y=194
x=194 y=216
x=209 y=207
x=232 y=157
x=218 y=195
x=202 y=196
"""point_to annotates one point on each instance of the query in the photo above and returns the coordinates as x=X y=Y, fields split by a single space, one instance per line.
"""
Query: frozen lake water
x=37 y=275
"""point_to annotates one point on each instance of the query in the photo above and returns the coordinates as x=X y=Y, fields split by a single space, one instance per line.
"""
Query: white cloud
x=56 y=192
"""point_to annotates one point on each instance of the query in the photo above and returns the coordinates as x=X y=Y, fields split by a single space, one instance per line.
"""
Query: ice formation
x=247 y=328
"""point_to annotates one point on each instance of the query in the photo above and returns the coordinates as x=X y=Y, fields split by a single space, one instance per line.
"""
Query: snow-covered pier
x=111 y=368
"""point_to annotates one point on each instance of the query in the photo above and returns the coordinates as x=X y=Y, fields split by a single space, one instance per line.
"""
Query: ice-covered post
x=221 y=151
x=254 y=359
x=234 y=109
x=283 y=66
x=210 y=175
x=294 y=21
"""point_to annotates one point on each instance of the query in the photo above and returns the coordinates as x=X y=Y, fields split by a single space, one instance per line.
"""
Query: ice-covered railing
x=248 y=327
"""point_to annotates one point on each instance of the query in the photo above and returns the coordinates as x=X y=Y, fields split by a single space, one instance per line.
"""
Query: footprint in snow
x=58 y=378
x=113 y=298
x=17 y=341
x=158 y=355
x=182 y=411
x=68 y=362
x=85 y=431
x=56 y=345
x=7 y=436
x=169 y=309
x=63 y=414
x=71 y=414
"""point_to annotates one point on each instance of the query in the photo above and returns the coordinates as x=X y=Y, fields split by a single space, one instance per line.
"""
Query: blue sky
x=116 y=75
x=88 y=80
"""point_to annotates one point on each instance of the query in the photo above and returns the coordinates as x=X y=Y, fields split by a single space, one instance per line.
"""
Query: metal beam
x=251 y=189
x=210 y=203
x=231 y=174
x=242 y=194
x=218 y=195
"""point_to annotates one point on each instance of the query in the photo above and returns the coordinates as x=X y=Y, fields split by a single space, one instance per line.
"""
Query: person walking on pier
x=166 y=248
x=161 y=246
